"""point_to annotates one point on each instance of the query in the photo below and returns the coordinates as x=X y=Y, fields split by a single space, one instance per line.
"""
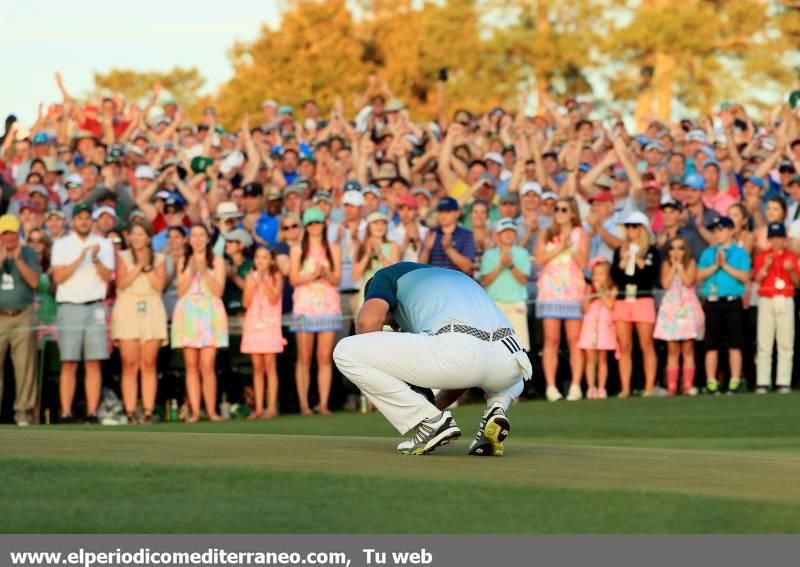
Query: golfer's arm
x=372 y=316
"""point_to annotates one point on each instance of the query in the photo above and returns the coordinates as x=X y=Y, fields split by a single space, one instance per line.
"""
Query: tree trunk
x=662 y=84
x=541 y=10
x=644 y=98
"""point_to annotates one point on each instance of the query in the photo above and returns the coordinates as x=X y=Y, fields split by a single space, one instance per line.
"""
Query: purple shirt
x=462 y=241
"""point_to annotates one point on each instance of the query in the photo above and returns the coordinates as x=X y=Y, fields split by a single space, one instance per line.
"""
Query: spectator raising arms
x=561 y=252
x=199 y=323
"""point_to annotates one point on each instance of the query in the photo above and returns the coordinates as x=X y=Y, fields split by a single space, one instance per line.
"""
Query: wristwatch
x=147 y=269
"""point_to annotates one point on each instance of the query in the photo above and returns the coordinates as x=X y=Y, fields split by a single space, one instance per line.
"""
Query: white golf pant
x=383 y=365
x=775 y=323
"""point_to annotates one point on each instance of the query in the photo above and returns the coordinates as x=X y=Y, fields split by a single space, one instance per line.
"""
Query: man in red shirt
x=777 y=272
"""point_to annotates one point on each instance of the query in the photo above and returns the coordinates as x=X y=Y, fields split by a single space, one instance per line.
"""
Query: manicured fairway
x=724 y=464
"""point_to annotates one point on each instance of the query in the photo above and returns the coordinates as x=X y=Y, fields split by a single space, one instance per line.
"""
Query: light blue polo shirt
x=727 y=285
x=505 y=288
x=424 y=298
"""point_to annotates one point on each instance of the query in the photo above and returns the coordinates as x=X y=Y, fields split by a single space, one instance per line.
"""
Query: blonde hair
x=643 y=241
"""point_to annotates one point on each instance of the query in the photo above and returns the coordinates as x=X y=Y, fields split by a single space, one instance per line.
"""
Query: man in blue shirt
x=454 y=337
x=262 y=225
x=724 y=270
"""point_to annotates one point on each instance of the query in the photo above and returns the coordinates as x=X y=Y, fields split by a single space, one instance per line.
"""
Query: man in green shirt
x=19 y=276
x=504 y=274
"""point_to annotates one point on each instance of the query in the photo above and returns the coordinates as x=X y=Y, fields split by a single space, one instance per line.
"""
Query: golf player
x=453 y=337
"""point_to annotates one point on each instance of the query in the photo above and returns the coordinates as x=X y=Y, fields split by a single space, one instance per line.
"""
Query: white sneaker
x=574 y=393
x=693 y=391
x=553 y=395
x=431 y=433
x=784 y=390
x=761 y=390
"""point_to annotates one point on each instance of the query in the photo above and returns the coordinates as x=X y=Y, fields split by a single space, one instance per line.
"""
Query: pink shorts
x=643 y=310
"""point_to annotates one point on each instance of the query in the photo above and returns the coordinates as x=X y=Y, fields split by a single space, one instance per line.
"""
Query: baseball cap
x=394 y=105
x=81 y=208
x=285 y=110
x=757 y=181
x=372 y=190
x=495 y=157
x=422 y=191
x=199 y=164
x=652 y=185
x=73 y=180
x=57 y=212
x=675 y=180
x=352 y=185
x=353 y=198
x=604 y=181
x=637 y=218
x=172 y=203
x=163 y=195
x=619 y=173
x=232 y=161
x=313 y=215
x=510 y=199
x=697 y=135
x=713 y=162
x=795 y=179
x=321 y=196
x=227 y=210
x=253 y=189
x=671 y=204
x=38 y=190
x=695 y=181
x=776 y=230
x=585 y=167
x=530 y=187
x=40 y=138
x=447 y=204
x=145 y=172
x=721 y=222
x=239 y=235
x=100 y=211
x=269 y=102
x=377 y=216
x=654 y=145
x=9 y=223
x=602 y=197
x=505 y=224
x=407 y=200
x=549 y=195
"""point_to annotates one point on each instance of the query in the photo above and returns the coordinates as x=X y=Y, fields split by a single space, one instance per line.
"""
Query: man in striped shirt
x=449 y=246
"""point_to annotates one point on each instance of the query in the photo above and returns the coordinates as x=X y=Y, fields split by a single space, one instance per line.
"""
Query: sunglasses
x=291 y=226
x=229 y=222
x=629 y=226
x=562 y=209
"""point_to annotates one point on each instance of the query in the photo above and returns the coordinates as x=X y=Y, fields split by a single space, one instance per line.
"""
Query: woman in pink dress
x=561 y=253
x=680 y=319
x=263 y=338
x=598 y=334
x=315 y=273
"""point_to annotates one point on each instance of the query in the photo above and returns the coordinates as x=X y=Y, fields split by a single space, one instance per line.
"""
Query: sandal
x=147 y=418
x=131 y=419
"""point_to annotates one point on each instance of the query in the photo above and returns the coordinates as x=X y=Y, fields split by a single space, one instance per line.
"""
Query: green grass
x=724 y=464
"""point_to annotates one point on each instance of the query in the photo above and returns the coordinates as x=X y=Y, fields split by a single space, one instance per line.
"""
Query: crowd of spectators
x=125 y=226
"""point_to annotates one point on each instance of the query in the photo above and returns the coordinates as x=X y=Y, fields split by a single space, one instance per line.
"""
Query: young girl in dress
x=263 y=338
x=680 y=318
x=598 y=334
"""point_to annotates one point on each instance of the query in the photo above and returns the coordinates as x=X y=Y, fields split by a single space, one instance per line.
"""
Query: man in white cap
x=454 y=337
x=349 y=234
x=105 y=220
